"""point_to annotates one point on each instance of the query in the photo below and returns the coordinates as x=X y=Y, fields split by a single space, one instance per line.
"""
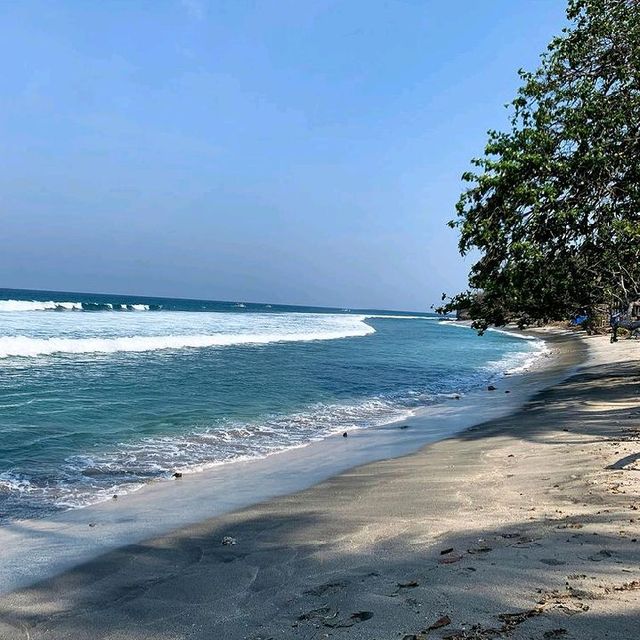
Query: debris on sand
x=354 y=618
x=450 y=559
x=440 y=622
x=408 y=585
x=509 y=622
x=228 y=540
x=483 y=549
x=512 y=620
x=315 y=613
x=627 y=586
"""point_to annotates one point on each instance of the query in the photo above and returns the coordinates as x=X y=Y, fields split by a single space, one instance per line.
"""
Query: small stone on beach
x=228 y=540
x=491 y=388
x=177 y=474
x=345 y=434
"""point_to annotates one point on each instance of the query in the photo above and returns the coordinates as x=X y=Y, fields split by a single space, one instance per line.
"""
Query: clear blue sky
x=294 y=151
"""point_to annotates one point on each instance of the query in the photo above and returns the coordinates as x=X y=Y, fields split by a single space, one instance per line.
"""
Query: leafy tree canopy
x=553 y=206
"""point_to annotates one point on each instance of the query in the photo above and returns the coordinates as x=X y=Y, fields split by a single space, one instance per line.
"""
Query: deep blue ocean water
x=100 y=394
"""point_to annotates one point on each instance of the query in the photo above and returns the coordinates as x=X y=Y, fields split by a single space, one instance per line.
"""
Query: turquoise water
x=102 y=394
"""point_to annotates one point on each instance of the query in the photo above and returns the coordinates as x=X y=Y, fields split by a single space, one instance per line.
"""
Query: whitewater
x=109 y=333
x=50 y=305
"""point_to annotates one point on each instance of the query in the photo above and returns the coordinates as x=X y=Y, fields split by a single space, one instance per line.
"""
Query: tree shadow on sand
x=584 y=405
x=297 y=573
x=278 y=581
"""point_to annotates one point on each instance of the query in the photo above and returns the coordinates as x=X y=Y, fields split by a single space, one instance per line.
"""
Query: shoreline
x=523 y=527
x=79 y=477
x=39 y=549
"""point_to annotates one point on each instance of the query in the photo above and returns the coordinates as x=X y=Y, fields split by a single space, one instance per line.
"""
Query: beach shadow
x=624 y=463
x=583 y=405
x=288 y=578
x=325 y=569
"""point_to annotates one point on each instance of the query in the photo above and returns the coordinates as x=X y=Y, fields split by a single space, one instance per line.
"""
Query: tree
x=553 y=206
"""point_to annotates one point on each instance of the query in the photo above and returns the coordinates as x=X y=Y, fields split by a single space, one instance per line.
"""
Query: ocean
x=102 y=394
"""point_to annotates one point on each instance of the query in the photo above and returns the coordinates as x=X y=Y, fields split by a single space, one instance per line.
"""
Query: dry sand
x=523 y=527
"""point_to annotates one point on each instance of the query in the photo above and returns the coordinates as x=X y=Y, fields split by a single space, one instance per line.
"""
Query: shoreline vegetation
x=550 y=211
x=523 y=526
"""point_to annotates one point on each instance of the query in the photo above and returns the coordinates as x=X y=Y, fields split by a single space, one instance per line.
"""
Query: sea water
x=102 y=394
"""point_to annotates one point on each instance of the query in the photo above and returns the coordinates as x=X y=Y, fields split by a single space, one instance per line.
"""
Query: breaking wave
x=310 y=328
x=51 y=305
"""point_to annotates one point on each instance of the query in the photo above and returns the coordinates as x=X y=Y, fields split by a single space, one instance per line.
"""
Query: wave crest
x=30 y=347
x=51 y=305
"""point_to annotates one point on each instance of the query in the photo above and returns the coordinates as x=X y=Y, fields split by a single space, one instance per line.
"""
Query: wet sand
x=36 y=549
x=525 y=526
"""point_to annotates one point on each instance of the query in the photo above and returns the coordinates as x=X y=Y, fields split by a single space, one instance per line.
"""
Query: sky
x=284 y=151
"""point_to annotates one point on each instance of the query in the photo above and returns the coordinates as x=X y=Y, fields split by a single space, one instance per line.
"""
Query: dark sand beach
x=526 y=526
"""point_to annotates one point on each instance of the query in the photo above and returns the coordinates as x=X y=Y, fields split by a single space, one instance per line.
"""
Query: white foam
x=467 y=325
x=513 y=334
x=37 y=305
x=221 y=330
x=51 y=305
x=511 y=363
x=520 y=361
x=527 y=361
x=399 y=317
x=131 y=465
x=11 y=482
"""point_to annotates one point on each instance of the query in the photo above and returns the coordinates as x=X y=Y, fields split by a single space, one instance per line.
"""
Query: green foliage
x=553 y=206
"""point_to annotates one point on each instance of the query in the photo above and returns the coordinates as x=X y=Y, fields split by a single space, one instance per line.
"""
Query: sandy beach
x=525 y=526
